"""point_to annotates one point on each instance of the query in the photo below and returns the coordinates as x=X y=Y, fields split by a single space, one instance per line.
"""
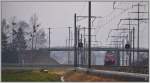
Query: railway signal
x=127 y=46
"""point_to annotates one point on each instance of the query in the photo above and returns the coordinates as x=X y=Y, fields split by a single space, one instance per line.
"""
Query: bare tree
x=34 y=25
x=20 y=44
x=9 y=54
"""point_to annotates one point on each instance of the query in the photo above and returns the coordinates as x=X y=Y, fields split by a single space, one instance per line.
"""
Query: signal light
x=127 y=46
x=80 y=44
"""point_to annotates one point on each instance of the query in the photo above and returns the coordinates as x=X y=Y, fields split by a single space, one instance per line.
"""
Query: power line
x=138 y=19
x=113 y=18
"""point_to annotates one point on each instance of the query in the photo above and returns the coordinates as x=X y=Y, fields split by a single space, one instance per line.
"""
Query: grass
x=29 y=76
x=73 y=76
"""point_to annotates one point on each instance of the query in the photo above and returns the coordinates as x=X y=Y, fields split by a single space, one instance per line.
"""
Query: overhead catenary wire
x=114 y=17
x=108 y=22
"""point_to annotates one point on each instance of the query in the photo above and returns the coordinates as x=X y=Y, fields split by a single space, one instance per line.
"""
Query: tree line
x=18 y=36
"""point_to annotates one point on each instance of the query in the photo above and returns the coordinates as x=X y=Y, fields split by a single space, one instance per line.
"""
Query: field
x=84 y=77
x=30 y=76
x=55 y=75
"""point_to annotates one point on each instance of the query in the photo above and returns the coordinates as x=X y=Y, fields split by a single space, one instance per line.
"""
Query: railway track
x=130 y=69
x=116 y=74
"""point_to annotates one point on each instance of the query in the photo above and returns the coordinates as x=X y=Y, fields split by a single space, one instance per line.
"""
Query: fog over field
x=59 y=15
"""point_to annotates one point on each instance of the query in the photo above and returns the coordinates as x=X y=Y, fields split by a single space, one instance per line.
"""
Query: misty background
x=60 y=15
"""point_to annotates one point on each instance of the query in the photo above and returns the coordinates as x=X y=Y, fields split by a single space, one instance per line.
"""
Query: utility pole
x=69 y=46
x=75 y=42
x=49 y=40
x=130 y=44
x=131 y=36
x=123 y=52
x=82 y=55
x=84 y=47
x=84 y=40
x=71 y=38
x=78 y=39
x=138 y=30
x=89 y=37
x=133 y=45
x=117 y=52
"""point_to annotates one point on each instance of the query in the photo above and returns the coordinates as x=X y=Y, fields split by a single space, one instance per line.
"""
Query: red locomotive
x=109 y=58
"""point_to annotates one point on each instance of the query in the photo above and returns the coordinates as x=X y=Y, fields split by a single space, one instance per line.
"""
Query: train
x=109 y=59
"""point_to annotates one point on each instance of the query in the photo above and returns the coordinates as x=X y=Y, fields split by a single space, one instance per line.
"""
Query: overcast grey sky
x=61 y=14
